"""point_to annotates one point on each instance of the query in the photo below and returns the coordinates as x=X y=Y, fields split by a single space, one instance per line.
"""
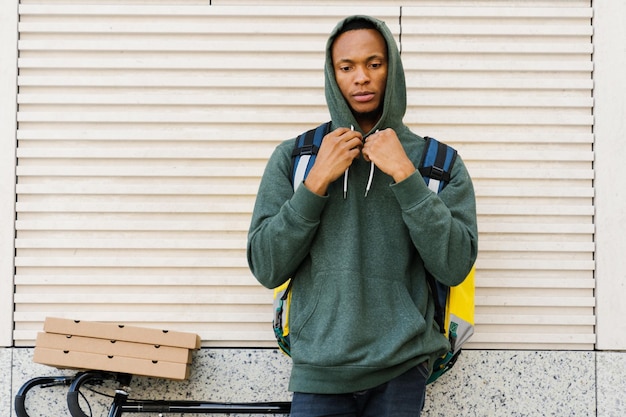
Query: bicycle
x=121 y=403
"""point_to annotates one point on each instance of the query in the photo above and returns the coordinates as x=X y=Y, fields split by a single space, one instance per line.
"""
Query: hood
x=394 y=104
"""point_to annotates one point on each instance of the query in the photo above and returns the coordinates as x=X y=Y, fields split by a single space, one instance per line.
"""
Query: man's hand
x=339 y=148
x=385 y=150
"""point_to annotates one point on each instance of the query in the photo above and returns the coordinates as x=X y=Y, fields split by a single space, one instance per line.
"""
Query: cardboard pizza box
x=113 y=347
x=121 y=332
x=85 y=360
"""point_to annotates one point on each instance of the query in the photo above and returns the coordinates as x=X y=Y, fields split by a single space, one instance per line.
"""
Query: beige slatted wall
x=512 y=88
x=143 y=132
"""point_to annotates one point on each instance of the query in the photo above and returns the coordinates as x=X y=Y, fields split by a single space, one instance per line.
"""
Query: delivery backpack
x=454 y=306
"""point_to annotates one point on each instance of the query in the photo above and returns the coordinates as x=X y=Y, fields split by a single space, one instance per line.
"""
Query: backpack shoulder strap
x=436 y=164
x=435 y=168
x=304 y=153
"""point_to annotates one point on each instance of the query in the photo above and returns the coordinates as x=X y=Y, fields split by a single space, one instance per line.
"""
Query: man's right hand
x=339 y=148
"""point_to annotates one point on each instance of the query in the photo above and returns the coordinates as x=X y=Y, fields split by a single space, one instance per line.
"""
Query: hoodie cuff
x=411 y=191
x=307 y=204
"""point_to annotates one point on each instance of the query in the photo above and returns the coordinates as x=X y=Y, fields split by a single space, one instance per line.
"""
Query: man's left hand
x=385 y=150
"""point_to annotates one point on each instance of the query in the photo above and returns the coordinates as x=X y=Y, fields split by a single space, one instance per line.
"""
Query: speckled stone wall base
x=482 y=384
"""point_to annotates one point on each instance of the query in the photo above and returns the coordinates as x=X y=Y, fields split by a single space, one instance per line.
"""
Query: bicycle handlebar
x=20 y=397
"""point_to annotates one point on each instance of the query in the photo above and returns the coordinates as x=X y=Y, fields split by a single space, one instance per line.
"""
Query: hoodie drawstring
x=369 y=179
x=345 y=177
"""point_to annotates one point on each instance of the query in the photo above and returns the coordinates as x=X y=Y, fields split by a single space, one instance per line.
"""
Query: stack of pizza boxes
x=76 y=344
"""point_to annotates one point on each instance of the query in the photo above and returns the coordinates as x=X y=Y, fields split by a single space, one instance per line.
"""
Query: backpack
x=454 y=306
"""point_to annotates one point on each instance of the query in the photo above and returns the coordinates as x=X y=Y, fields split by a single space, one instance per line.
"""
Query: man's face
x=360 y=63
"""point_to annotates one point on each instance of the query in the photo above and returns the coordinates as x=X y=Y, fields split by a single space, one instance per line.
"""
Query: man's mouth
x=363 y=97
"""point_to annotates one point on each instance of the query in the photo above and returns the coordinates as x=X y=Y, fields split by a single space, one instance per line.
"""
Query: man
x=362 y=333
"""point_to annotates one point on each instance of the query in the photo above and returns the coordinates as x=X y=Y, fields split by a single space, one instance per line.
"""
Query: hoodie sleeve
x=283 y=223
x=442 y=226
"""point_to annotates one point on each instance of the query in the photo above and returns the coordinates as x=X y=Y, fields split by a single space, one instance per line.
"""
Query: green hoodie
x=361 y=312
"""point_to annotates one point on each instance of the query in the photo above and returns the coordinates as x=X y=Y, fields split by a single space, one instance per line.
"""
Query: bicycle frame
x=122 y=404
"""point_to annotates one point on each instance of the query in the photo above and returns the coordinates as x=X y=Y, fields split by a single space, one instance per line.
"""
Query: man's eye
x=344 y=68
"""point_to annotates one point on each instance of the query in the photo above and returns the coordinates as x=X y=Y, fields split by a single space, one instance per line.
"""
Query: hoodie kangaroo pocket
x=364 y=323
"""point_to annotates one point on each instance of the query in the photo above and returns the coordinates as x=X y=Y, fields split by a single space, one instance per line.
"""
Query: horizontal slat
x=137 y=225
x=536 y=264
x=520 y=173
x=210 y=133
x=234 y=279
x=142 y=208
x=143 y=171
x=540 y=320
x=173 y=27
x=218 y=27
x=520 y=191
x=535 y=301
x=303 y=12
x=477 y=82
x=156 y=189
x=230 y=338
x=218 y=262
x=243 y=98
x=535 y=228
x=516 y=12
x=307 y=11
x=496 y=48
x=264 y=150
x=147 y=225
x=313 y=116
x=142 y=319
x=503 y=29
x=167 y=45
x=181 y=207
x=128 y=243
x=503 y=246
x=295 y=98
x=192 y=62
x=257 y=151
x=245 y=279
x=302 y=79
x=237 y=317
x=511 y=101
x=242 y=116
x=534 y=338
x=252 y=171
x=418 y=62
x=502 y=282
x=513 y=118
x=194 y=297
x=85 y=188
x=535 y=210
x=134 y=262
x=495 y=246
x=184 y=62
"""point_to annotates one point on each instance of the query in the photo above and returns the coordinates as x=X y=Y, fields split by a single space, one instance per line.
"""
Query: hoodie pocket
x=372 y=323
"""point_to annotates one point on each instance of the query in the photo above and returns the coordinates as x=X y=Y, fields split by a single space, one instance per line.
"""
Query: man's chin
x=373 y=115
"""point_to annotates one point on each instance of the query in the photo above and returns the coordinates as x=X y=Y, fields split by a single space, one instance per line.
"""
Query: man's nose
x=361 y=75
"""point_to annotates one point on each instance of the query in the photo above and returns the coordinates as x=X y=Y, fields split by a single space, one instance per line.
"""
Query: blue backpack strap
x=436 y=164
x=305 y=151
x=435 y=168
